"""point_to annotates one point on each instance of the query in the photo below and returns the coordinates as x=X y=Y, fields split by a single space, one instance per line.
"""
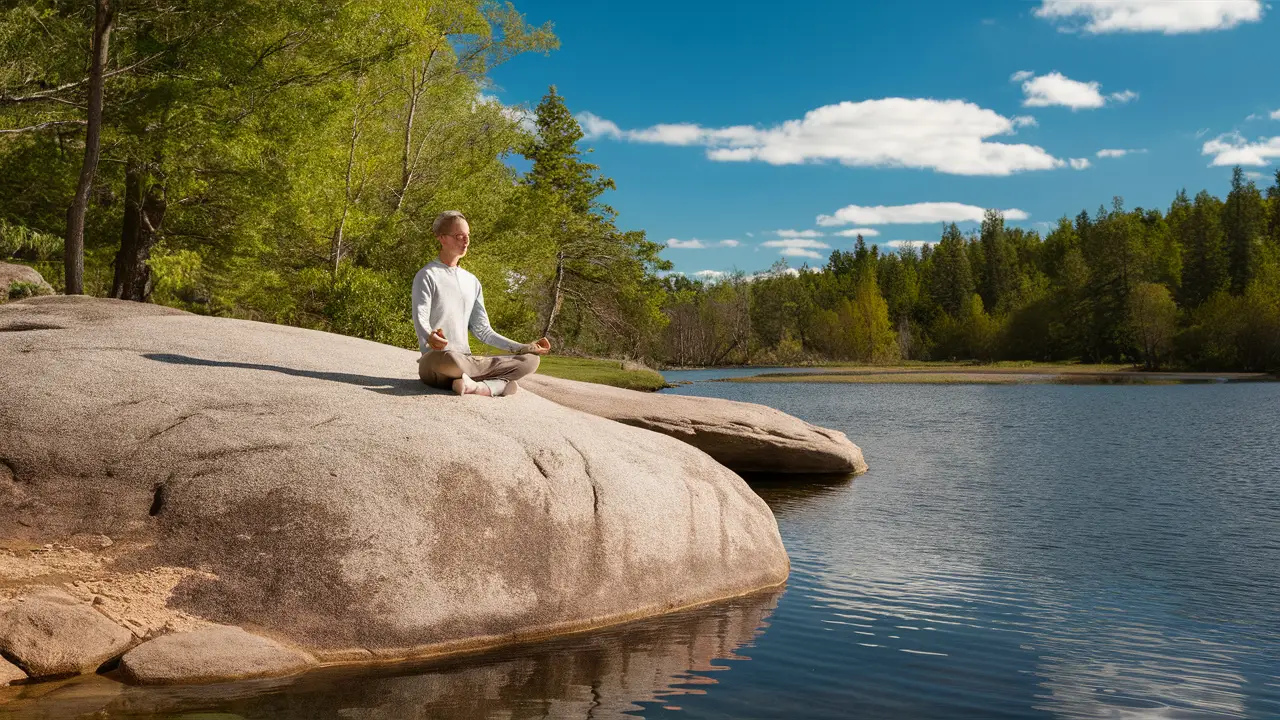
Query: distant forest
x=1196 y=286
x=283 y=160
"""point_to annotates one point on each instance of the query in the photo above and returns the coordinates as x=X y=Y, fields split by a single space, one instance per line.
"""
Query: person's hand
x=436 y=340
x=541 y=347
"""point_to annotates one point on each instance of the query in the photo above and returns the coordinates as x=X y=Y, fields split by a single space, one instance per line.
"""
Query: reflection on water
x=1064 y=552
x=600 y=675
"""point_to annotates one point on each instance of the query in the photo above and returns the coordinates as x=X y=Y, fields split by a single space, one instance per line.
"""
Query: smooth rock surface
x=11 y=273
x=212 y=653
x=308 y=487
x=10 y=673
x=744 y=437
x=51 y=633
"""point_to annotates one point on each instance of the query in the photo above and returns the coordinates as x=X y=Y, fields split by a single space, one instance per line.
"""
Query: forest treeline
x=1196 y=286
x=282 y=160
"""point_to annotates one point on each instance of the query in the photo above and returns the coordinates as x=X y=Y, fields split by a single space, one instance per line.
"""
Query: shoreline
x=971 y=375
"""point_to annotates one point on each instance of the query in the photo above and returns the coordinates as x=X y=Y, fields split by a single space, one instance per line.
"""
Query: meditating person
x=447 y=301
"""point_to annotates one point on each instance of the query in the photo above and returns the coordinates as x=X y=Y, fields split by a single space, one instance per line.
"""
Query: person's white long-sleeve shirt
x=450 y=298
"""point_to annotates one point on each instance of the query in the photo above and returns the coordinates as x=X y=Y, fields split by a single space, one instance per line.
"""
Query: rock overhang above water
x=745 y=437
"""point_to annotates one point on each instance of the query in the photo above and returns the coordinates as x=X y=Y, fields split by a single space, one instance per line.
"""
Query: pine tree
x=1206 y=267
x=1243 y=223
x=607 y=275
x=1273 y=213
x=1001 y=277
x=952 y=278
x=558 y=169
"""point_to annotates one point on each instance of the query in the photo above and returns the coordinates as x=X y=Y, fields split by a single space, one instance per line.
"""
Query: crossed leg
x=497 y=374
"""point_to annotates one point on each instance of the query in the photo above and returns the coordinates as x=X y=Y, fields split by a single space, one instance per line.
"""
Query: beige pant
x=439 y=368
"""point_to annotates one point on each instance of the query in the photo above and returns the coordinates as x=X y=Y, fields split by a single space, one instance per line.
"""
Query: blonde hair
x=444 y=220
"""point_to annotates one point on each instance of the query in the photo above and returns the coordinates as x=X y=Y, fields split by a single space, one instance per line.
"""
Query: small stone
x=91 y=541
x=215 y=653
x=10 y=673
x=52 y=633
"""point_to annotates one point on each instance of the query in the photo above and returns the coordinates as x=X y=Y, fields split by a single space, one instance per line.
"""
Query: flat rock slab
x=744 y=437
x=52 y=633
x=10 y=673
x=212 y=654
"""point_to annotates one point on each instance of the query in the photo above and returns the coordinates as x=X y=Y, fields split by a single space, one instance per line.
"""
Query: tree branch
x=50 y=93
x=42 y=126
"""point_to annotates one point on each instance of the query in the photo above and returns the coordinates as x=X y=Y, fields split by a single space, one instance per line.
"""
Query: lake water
x=1035 y=551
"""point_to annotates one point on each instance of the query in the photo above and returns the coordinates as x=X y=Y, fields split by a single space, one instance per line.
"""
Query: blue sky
x=732 y=121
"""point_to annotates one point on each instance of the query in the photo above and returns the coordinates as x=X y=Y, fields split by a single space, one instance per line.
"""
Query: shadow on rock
x=383 y=385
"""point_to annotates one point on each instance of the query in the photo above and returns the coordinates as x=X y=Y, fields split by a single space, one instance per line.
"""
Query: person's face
x=456 y=238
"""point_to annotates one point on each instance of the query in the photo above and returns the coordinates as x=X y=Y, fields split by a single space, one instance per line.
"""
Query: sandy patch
x=136 y=601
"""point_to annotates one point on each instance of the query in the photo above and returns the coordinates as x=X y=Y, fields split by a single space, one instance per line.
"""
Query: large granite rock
x=51 y=633
x=308 y=488
x=215 y=652
x=745 y=437
x=11 y=273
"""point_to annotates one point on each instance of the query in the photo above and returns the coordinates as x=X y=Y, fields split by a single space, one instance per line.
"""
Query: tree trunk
x=73 y=256
x=335 y=246
x=143 y=213
x=556 y=297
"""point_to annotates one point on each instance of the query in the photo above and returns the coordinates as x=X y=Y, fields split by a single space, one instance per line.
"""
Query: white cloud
x=785 y=271
x=1234 y=149
x=751 y=235
x=800 y=252
x=594 y=126
x=855 y=232
x=1275 y=115
x=1254 y=175
x=1021 y=75
x=948 y=136
x=795 y=243
x=1025 y=121
x=1252 y=116
x=916 y=213
x=797 y=233
x=1202 y=132
x=1170 y=17
x=1118 y=152
x=1058 y=89
x=899 y=244
x=709 y=274
x=694 y=244
x=1080 y=163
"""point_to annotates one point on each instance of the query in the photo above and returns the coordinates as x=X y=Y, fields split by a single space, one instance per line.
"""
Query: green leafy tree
x=1153 y=318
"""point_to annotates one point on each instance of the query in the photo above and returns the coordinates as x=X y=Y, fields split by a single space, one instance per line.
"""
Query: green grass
x=605 y=372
